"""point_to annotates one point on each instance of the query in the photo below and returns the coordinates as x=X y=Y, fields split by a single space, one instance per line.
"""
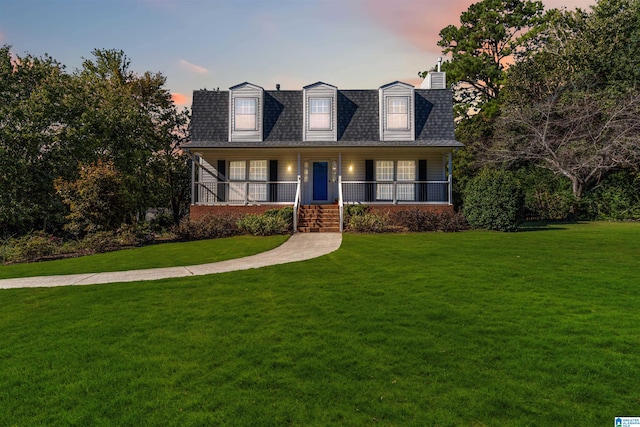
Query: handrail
x=296 y=205
x=340 y=203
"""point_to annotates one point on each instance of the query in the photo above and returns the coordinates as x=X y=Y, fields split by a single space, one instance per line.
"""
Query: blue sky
x=352 y=44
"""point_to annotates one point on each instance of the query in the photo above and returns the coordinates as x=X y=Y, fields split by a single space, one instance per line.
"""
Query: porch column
x=193 y=180
x=450 y=177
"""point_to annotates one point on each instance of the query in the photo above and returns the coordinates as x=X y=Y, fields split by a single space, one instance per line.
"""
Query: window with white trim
x=384 y=172
x=406 y=171
x=237 y=172
x=245 y=114
x=319 y=113
x=258 y=172
x=397 y=112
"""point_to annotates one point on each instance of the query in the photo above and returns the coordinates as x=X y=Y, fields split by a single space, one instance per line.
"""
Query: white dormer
x=320 y=112
x=246 y=103
x=397 y=115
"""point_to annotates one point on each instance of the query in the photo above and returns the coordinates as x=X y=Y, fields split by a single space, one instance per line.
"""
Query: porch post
x=450 y=178
x=193 y=180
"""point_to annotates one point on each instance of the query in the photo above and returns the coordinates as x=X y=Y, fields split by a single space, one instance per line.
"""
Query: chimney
x=435 y=79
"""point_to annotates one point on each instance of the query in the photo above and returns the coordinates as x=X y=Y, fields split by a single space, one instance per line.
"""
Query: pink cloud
x=420 y=22
x=193 y=67
x=179 y=99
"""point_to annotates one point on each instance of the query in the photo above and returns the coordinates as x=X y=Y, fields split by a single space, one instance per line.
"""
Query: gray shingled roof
x=358 y=121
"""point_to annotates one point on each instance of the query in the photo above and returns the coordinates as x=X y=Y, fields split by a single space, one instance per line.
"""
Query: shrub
x=616 y=198
x=263 y=225
x=98 y=199
x=135 y=234
x=368 y=223
x=31 y=247
x=418 y=220
x=210 y=227
x=99 y=241
x=494 y=200
x=286 y=214
x=546 y=197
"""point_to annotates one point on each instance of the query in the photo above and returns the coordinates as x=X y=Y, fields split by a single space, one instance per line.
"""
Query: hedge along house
x=321 y=147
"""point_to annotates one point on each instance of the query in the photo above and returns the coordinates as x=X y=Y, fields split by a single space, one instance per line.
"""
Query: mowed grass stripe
x=475 y=328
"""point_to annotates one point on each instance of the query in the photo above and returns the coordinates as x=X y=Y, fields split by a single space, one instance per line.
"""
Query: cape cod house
x=322 y=147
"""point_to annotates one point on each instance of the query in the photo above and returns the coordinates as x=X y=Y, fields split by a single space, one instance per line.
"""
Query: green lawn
x=536 y=328
x=154 y=256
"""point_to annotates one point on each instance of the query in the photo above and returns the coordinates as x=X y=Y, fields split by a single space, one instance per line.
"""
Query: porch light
x=306 y=171
x=334 y=171
x=288 y=168
x=350 y=168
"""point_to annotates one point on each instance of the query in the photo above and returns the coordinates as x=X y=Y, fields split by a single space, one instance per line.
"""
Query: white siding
x=321 y=91
x=249 y=91
x=388 y=93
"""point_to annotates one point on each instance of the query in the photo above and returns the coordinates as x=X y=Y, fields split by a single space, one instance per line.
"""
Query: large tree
x=574 y=107
x=52 y=121
x=492 y=33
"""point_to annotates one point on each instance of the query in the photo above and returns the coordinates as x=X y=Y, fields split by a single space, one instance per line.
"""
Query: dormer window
x=320 y=114
x=320 y=103
x=397 y=112
x=397 y=115
x=245 y=114
x=246 y=104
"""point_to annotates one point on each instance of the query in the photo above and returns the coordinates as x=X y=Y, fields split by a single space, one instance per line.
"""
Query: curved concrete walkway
x=299 y=247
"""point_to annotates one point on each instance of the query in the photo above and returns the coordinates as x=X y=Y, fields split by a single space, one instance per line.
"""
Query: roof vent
x=435 y=79
x=277 y=86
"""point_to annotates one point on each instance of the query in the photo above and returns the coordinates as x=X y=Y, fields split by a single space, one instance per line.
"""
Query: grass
x=475 y=328
x=154 y=256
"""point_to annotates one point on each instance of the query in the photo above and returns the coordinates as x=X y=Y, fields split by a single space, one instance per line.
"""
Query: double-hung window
x=258 y=178
x=406 y=172
x=237 y=173
x=245 y=114
x=319 y=113
x=397 y=112
x=384 y=179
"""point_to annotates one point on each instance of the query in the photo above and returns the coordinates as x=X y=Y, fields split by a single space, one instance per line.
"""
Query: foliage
x=97 y=200
x=617 y=197
x=285 y=214
x=547 y=197
x=419 y=220
x=52 y=121
x=355 y=210
x=368 y=222
x=573 y=107
x=494 y=200
x=491 y=33
x=212 y=226
x=30 y=247
x=263 y=225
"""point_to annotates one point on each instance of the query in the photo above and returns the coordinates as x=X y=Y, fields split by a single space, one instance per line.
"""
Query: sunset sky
x=352 y=44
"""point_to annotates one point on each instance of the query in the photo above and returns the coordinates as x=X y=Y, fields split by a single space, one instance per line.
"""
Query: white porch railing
x=296 y=204
x=290 y=192
x=245 y=192
x=396 y=192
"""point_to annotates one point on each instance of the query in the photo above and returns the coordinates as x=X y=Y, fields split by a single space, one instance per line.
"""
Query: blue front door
x=320 y=181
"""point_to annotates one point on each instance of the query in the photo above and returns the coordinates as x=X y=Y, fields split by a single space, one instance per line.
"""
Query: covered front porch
x=376 y=177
